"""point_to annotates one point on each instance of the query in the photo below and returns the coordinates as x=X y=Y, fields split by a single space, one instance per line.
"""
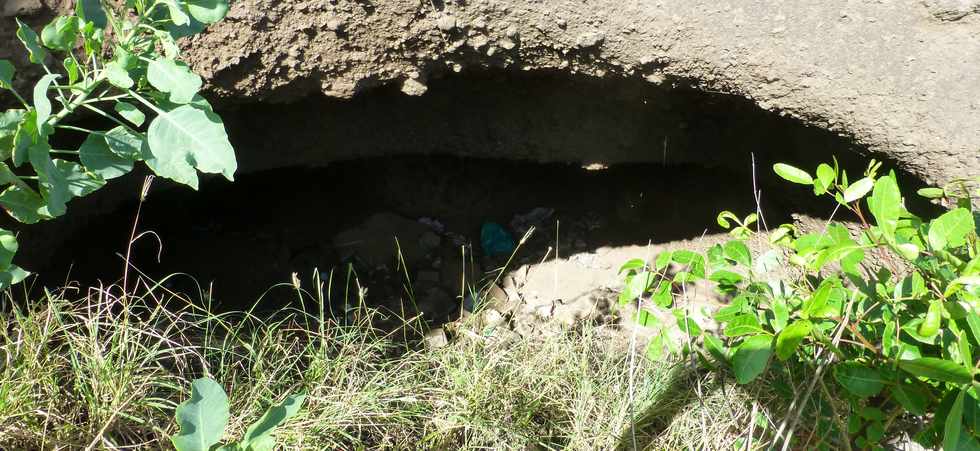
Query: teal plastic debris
x=496 y=240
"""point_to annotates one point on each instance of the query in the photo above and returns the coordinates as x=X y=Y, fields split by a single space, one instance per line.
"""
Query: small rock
x=492 y=318
x=511 y=32
x=544 y=311
x=951 y=10
x=497 y=298
x=336 y=24
x=507 y=44
x=414 y=87
x=436 y=338
x=446 y=23
x=562 y=23
x=589 y=40
x=14 y=8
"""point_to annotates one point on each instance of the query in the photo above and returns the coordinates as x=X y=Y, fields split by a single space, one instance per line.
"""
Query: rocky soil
x=899 y=78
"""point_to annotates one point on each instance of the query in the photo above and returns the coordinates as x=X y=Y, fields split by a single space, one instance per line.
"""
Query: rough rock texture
x=898 y=77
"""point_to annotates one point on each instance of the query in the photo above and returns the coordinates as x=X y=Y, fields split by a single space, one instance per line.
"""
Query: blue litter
x=496 y=240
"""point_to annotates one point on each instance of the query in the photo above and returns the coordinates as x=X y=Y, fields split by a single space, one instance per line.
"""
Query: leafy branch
x=125 y=56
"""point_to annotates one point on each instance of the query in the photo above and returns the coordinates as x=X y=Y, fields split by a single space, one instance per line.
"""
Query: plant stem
x=70 y=108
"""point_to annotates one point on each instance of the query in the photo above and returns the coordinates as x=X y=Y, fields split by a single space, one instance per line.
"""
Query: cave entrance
x=593 y=165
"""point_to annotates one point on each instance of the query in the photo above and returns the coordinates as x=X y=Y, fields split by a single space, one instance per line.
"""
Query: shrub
x=890 y=309
x=120 y=63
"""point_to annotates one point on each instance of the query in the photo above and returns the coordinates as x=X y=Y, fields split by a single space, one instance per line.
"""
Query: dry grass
x=105 y=371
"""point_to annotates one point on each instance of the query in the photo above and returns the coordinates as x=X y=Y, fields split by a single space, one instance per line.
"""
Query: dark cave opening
x=613 y=162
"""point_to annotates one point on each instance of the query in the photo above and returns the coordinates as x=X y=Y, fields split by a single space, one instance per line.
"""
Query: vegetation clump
x=122 y=64
x=887 y=310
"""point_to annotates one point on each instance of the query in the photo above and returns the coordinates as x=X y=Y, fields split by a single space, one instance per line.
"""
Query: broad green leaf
x=767 y=262
x=662 y=295
x=738 y=251
x=695 y=266
x=724 y=218
x=954 y=424
x=780 y=313
x=12 y=276
x=125 y=143
x=188 y=137
x=937 y=369
x=25 y=136
x=792 y=174
x=177 y=13
x=930 y=325
x=23 y=204
x=173 y=32
x=815 y=304
x=973 y=322
x=686 y=324
x=261 y=430
x=858 y=379
x=637 y=285
x=10 y=120
x=825 y=179
x=858 y=189
x=655 y=349
x=909 y=251
x=202 y=418
x=8 y=248
x=117 y=75
x=41 y=102
x=913 y=398
x=61 y=33
x=662 y=260
x=175 y=79
x=791 y=337
x=54 y=185
x=30 y=40
x=208 y=11
x=98 y=158
x=951 y=229
x=80 y=182
x=93 y=39
x=631 y=265
x=71 y=68
x=716 y=348
x=725 y=277
x=91 y=11
x=751 y=358
x=885 y=204
x=6 y=74
x=744 y=324
x=130 y=113
x=646 y=319
x=932 y=193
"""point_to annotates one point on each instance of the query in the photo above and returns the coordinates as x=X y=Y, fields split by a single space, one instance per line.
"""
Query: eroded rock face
x=899 y=78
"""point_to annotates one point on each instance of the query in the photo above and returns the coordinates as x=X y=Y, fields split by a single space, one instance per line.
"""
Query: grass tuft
x=102 y=370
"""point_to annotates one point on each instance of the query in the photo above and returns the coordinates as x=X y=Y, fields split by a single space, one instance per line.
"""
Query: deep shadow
x=250 y=235
x=479 y=147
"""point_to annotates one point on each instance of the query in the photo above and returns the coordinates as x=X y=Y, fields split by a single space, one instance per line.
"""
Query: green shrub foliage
x=204 y=416
x=119 y=61
x=886 y=310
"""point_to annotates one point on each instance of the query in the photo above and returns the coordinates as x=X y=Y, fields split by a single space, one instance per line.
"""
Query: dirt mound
x=897 y=77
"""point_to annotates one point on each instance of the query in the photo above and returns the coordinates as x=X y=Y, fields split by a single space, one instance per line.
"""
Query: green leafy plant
x=888 y=308
x=204 y=416
x=118 y=61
